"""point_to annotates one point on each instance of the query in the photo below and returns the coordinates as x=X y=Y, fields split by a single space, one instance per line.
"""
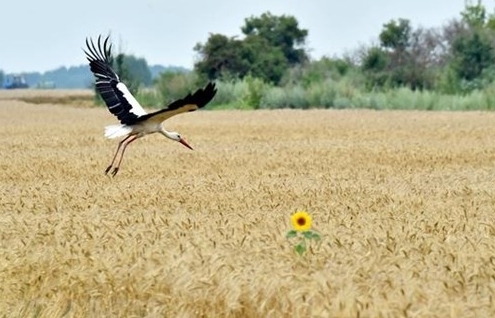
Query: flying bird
x=135 y=121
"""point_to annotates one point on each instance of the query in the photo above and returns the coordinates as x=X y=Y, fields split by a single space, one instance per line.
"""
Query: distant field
x=404 y=202
x=73 y=97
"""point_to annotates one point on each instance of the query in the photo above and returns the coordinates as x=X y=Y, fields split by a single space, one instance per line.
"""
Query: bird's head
x=177 y=137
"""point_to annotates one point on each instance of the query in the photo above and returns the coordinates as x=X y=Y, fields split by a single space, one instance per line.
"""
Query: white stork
x=136 y=122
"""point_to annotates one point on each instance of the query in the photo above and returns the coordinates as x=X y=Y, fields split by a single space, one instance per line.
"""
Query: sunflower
x=301 y=221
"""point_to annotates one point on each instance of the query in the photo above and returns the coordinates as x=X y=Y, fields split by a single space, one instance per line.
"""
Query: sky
x=41 y=35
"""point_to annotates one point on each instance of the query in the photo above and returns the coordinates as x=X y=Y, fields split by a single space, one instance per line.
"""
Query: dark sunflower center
x=301 y=221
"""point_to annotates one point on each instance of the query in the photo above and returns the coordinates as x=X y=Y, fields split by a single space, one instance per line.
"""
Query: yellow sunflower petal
x=301 y=221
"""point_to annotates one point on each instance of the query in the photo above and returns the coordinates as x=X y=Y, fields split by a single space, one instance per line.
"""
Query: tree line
x=270 y=66
x=455 y=58
x=80 y=76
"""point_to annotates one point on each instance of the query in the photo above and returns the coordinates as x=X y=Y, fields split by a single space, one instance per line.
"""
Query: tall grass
x=303 y=91
x=342 y=94
x=230 y=94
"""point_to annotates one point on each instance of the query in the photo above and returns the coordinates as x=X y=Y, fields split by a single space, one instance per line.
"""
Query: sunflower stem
x=300 y=248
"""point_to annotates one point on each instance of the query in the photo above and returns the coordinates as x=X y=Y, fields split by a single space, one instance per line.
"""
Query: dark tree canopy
x=282 y=32
x=132 y=71
x=220 y=56
x=396 y=34
x=471 y=55
x=405 y=57
x=474 y=15
x=139 y=68
x=264 y=60
x=271 y=45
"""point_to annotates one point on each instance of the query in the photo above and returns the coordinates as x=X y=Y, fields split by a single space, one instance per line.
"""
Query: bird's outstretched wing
x=189 y=103
x=117 y=97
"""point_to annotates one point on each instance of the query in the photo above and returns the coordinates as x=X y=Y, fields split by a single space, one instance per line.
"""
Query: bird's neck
x=166 y=133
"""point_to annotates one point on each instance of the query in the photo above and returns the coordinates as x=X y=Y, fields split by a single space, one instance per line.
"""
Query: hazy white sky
x=42 y=35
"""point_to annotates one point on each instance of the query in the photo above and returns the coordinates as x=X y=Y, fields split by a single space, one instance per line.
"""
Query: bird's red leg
x=116 y=152
x=126 y=143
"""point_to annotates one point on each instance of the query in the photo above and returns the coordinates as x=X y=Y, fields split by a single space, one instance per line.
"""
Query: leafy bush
x=323 y=84
x=230 y=95
x=149 y=97
x=175 y=85
x=256 y=89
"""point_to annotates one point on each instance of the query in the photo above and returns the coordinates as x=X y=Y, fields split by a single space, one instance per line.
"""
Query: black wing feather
x=196 y=100
x=118 y=99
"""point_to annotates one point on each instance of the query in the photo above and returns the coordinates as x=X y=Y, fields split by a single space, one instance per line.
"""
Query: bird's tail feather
x=115 y=131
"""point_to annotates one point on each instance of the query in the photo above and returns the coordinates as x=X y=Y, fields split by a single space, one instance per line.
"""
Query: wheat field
x=403 y=201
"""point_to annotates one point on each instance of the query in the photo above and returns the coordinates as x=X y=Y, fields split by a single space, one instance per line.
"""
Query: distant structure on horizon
x=15 y=81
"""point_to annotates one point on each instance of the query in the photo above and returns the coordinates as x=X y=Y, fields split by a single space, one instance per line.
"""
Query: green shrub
x=327 y=84
x=149 y=97
x=322 y=94
x=230 y=94
x=174 y=85
x=256 y=89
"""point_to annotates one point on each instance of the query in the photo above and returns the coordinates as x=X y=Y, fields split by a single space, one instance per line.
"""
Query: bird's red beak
x=184 y=142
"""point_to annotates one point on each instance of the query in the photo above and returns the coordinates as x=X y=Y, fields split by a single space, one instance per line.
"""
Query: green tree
x=221 y=56
x=374 y=64
x=2 y=76
x=175 y=85
x=132 y=71
x=471 y=55
x=391 y=63
x=270 y=65
x=279 y=31
x=375 y=60
x=318 y=71
x=139 y=69
x=405 y=57
x=271 y=45
x=125 y=75
x=474 y=15
x=396 y=35
x=470 y=44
